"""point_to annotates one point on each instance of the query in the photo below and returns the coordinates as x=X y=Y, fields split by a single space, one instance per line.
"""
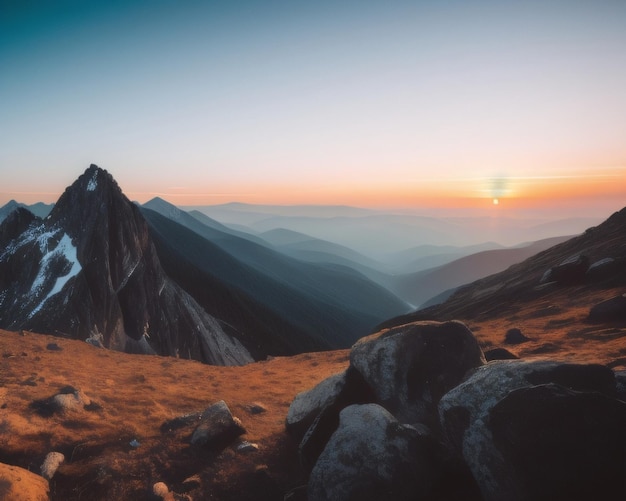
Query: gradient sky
x=369 y=103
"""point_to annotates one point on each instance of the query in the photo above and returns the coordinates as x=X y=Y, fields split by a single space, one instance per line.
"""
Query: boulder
x=555 y=443
x=314 y=414
x=569 y=272
x=465 y=410
x=611 y=310
x=603 y=269
x=371 y=456
x=499 y=354
x=217 y=427
x=515 y=336
x=409 y=368
x=18 y=484
x=308 y=404
x=69 y=399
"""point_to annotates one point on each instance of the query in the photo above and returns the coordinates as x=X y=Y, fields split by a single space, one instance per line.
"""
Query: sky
x=367 y=103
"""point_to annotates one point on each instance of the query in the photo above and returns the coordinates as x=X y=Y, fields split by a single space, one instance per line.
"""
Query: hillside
x=423 y=285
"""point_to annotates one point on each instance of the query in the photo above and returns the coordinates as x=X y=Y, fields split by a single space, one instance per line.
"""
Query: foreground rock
x=373 y=457
x=18 y=484
x=611 y=310
x=557 y=443
x=308 y=404
x=411 y=367
x=217 y=427
x=472 y=419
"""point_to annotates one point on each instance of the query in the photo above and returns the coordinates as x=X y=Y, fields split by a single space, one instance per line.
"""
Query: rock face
x=505 y=430
x=90 y=271
x=411 y=367
x=373 y=457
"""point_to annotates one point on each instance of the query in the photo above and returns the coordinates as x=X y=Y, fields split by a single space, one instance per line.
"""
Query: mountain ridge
x=90 y=271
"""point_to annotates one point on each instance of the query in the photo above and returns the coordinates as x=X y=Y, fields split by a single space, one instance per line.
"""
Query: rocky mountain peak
x=90 y=271
x=15 y=223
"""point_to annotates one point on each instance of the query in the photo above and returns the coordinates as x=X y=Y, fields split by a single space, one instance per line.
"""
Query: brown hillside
x=132 y=397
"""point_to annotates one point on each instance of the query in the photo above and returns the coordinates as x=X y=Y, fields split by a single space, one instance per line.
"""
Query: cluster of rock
x=579 y=269
x=420 y=414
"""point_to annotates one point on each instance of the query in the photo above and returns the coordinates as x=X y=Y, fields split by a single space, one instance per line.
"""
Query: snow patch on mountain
x=93 y=182
x=66 y=250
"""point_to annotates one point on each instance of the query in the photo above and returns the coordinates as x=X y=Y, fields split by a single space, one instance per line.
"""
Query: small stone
x=256 y=408
x=161 y=490
x=134 y=443
x=53 y=347
x=51 y=464
x=246 y=446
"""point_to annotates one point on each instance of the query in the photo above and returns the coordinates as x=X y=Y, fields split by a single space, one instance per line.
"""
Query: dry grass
x=132 y=397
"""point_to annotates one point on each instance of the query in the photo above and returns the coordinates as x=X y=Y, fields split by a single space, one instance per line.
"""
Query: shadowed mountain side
x=39 y=209
x=521 y=283
x=419 y=287
x=336 y=282
x=332 y=305
x=423 y=257
x=262 y=331
x=306 y=248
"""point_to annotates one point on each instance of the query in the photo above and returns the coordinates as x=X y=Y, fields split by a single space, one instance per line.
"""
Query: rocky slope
x=90 y=271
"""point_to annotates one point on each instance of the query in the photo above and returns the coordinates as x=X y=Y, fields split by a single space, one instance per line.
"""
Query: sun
x=496 y=201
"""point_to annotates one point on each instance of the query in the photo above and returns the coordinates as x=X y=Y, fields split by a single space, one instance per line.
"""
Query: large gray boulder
x=308 y=404
x=559 y=444
x=314 y=415
x=409 y=368
x=371 y=456
x=466 y=414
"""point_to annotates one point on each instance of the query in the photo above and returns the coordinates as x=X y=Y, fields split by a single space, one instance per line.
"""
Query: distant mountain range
x=387 y=235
